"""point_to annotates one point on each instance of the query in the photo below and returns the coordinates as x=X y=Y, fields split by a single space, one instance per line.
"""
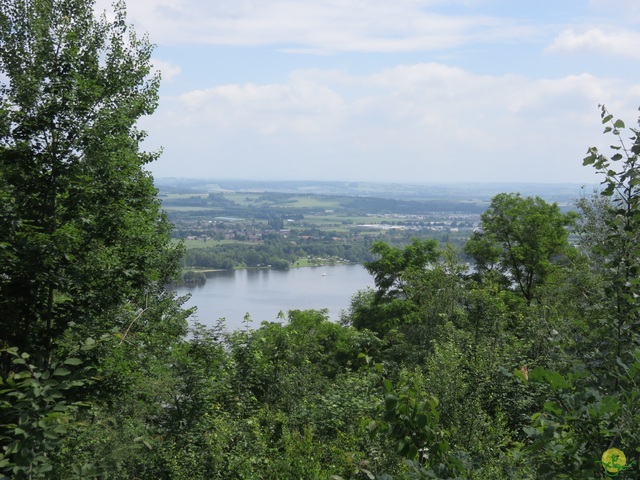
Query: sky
x=402 y=91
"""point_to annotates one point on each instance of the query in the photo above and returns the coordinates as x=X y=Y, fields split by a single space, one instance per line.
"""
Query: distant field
x=180 y=196
x=295 y=201
x=261 y=212
x=244 y=199
x=315 y=202
x=181 y=208
x=189 y=244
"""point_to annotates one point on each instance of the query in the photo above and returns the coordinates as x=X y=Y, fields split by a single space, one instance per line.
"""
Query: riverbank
x=300 y=263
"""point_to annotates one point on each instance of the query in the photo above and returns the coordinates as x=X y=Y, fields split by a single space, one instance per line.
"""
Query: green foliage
x=275 y=250
x=84 y=253
x=395 y=300
x=394 y=265
x=37 y=413
x=593 y=399
x=619 y=248
x=191 y=276
x=82 y=228
x=580 y=421
x=409 y=418
x=521 y=238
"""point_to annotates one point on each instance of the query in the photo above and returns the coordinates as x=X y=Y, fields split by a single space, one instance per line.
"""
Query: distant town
x=287 y=224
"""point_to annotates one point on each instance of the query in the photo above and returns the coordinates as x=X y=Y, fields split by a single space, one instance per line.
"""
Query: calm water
x=264 y=293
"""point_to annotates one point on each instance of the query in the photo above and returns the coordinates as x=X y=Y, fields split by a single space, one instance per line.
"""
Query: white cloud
x=316 y=25
x=299 y=107
x=167 y=69
x=619 y=42
x=422 y=122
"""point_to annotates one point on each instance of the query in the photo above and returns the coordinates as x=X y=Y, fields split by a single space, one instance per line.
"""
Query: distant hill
x=563 y=193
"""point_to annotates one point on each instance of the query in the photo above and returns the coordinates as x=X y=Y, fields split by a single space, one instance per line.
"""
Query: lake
x=263 y=293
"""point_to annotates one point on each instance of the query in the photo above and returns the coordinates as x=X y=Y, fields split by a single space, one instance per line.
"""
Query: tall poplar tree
x=82 y=236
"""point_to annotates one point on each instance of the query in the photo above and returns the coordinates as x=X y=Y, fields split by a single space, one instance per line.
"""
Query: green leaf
x=422 y=420
x=72 y=361
x=43 y=468
x=619 y=124
x=608 y=191
x=552 y=407
x=88 y=344
x=388 y=386
x=520 y=375
x=390 y=401
x=61 y=372
x=609 y=405
x=553 y=378
x=607 y=118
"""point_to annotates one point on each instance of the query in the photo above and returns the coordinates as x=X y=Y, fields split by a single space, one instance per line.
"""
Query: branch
x=131 y=325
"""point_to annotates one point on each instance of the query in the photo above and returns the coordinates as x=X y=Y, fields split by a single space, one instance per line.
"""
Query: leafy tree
x=81 y=230
x=395 y=300
x=84 y=245
x=391 y=270
x=619 y=248
x=593 y=399
x=520 y=237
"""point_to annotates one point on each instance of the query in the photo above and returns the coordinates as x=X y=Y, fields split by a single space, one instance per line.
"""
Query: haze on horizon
x=368 y=90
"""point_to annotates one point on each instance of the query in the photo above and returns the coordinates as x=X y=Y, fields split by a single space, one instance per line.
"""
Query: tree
x=394 y=301
x=619 y=243
x=391 y=271
x=520 y=237
x=82 y=235
x=592 y=400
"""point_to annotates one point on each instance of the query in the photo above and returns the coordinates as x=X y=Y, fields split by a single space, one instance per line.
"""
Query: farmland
x=251 y=225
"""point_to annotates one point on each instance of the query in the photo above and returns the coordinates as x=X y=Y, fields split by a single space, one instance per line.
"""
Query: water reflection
x=264 y=293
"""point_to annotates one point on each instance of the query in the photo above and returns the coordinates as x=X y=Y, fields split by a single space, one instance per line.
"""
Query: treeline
x=211 y=200
x=275 y=251
x=281 y=204
x=364 y=205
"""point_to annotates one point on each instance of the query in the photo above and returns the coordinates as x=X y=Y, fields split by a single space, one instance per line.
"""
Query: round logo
x=614 y=460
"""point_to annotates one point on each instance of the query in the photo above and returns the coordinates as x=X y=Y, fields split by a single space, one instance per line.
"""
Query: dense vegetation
x=277 y=252
x=525 y=367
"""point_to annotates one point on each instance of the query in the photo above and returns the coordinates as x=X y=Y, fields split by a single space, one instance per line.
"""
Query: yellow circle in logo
x=614 y=460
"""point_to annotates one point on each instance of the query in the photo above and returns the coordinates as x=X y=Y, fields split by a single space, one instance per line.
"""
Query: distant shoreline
x=294 y=265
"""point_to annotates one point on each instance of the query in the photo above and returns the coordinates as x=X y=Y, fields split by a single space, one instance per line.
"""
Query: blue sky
x=415 y=91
